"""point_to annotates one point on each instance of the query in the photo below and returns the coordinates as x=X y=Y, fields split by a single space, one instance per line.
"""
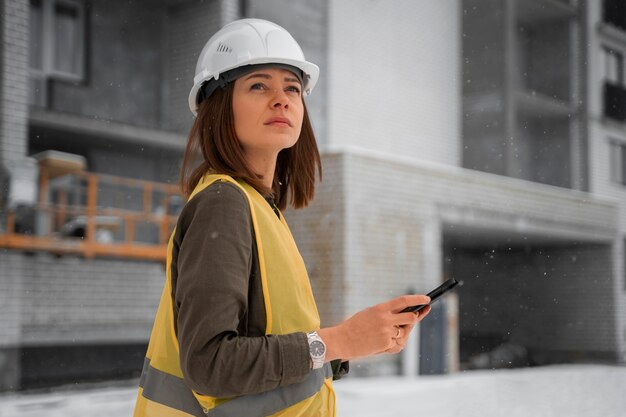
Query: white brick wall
x=11 y=297
x=377 y=226
x=73 y=300
x=319 y=231
x=14 y=80
x=14 y=19
x=394 y=74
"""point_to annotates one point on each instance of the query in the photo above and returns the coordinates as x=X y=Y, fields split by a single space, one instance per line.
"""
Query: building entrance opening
x=522 y=300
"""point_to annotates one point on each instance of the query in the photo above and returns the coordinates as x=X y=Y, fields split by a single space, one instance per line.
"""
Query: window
x=613 y=66
x=57 y=44
x=614 y=13
x=614 y=94
x=618 y=161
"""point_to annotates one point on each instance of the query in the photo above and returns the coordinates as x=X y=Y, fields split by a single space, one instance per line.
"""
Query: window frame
x=618 y=56
x=617 y=155
x=47 y=48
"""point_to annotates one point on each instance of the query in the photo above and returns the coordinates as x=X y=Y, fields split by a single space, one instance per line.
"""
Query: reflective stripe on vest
x=171 y=391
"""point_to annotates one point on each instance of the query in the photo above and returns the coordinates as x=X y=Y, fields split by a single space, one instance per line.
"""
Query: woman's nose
x=280 y=99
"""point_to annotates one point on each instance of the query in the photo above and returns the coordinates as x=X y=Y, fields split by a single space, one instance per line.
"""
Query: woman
x=237 y=332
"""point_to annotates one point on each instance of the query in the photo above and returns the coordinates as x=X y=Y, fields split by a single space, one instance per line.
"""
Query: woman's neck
x=264 y=165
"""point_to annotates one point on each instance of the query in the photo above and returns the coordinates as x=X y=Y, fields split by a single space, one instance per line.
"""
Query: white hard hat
x=249 y=42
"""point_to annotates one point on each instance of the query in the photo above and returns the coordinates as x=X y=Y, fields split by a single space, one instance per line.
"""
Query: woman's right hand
x=377 y=329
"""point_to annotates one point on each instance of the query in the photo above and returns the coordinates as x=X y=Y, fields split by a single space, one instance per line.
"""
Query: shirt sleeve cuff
x=294 y=350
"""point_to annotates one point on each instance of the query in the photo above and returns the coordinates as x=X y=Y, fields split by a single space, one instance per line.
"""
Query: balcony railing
x=615 y=102
x=94 y=215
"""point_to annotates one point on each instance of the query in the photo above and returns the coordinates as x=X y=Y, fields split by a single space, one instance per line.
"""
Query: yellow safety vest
x=289 y=306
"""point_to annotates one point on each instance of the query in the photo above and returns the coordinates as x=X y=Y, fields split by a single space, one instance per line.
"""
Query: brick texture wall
x=11 y=306
x=14 y=80
x=13 y=146
x=319 y=231
x=378 y=225
x=97 y=301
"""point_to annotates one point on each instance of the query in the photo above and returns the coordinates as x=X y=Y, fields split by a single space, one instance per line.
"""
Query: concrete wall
x=395 y=77
x=141 y=61
x=190 y=25
x=156 y=164
x=124 y=57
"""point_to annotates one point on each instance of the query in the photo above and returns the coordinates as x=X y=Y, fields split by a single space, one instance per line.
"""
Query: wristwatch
x=317 y=349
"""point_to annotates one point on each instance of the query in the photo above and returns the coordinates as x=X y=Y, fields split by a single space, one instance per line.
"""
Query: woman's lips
x=278 y=121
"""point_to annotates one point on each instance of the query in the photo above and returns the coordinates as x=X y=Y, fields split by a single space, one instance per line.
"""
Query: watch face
x=317 y=349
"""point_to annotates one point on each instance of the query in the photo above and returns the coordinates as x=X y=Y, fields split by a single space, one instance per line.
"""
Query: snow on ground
x=572 y=391
x=568 y=390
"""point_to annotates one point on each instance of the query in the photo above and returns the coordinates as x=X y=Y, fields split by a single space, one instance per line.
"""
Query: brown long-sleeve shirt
x=219 y=304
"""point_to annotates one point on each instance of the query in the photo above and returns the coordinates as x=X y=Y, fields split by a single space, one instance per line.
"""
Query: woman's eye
x=258 y=86
x=293 y=89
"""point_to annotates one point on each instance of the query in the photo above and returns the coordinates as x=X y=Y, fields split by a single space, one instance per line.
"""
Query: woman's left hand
x=405 y=332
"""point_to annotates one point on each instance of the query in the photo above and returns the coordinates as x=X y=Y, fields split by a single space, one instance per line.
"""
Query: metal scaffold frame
x=71 y=217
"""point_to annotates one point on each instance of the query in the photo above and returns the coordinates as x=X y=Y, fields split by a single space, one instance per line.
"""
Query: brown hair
x=212 y=138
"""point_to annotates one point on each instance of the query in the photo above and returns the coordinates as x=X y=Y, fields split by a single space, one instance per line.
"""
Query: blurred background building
x=479 y=139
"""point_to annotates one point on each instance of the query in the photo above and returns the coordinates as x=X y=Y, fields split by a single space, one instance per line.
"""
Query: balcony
x=93 y=215
x=615 y=102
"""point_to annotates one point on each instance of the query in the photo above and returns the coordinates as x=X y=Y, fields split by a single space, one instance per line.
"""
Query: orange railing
x=95 y=215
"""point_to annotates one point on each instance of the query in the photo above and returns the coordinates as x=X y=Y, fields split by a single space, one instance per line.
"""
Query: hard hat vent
x=223 y=48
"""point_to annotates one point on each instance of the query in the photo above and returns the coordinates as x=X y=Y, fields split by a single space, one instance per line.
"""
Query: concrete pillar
x=453 y=359
x=578 y=129
x=512 y=167
x=410 y=355
x=431 y=254
x=432 y=274
x=230 y=10
x=618 y=250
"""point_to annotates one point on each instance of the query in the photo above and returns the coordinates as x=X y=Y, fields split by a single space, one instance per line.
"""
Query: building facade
x=481 y=140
